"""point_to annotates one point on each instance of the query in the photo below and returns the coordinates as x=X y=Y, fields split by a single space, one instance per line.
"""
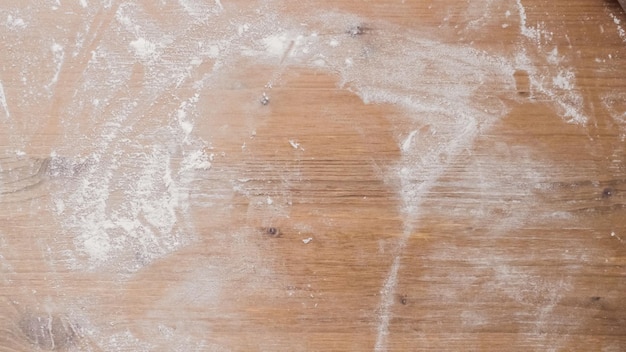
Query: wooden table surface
x=420 y=175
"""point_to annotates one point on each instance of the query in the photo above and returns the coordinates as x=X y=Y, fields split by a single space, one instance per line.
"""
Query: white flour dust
x=143 y=48
x=618 y=25
x=488 y=269
x=529 y=32
x=130 y=150
x=554 y=79
x=15 y=23
x=440 y=87
x=3 y=101
x=59 y=56
x=615 y=104
x=128 y=203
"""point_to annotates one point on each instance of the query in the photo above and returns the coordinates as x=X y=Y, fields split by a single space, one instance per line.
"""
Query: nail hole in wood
x=265 y=99
x=272 y=231
x=358 y=30
x=403 y=300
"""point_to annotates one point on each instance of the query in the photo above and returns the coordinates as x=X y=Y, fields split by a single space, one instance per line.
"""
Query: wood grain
x=424 y=181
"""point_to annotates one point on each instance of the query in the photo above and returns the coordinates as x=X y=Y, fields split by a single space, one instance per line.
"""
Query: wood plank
x=331 y=175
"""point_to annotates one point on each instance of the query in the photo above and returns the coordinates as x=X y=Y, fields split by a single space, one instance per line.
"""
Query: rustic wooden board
x=330 y=175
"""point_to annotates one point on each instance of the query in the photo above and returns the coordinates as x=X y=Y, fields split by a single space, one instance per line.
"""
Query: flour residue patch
x=126 y=219
x=58 y=58
x=143 y=48
x=551 y=74
x=3 y=101
x=615 y=104
x=489 y=269
x=127 y=201
x=618 y=26
x=201 y=10
x=15 y=23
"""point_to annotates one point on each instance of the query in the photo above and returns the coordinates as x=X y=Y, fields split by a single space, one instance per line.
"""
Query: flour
x=137 y=228
x=199 y=10
x=122 y=341
x=127 y=193
x=529 y=32
x=129 y=205
x=219 y=5
x=97 y=244
x=185 y=124
x=554 y=59
x=387 y=294
x=489 y=270
x=569 y=102
x=615 y=105
x=406 y=145
x=143 y=48
x=620 y=30
x=14 y=23
x=242 y=28
x=59 y=56
x=277 y=45
x=3 y=101
x=561 y=88
x=197 y=160
x=435 y=84
x=564 y=80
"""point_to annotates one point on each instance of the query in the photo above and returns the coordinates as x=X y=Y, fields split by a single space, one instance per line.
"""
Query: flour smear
x=3 y=101
x=125 y=181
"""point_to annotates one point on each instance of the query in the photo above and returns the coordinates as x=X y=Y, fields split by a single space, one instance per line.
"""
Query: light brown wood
x=312 y=176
